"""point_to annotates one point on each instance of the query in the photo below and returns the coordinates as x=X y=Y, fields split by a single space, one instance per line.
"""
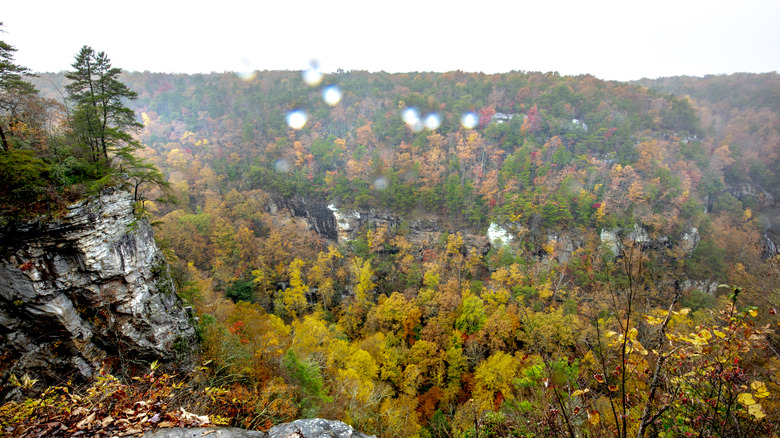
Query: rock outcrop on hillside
x=342 y=226
x=89 y=286
x=316 y=215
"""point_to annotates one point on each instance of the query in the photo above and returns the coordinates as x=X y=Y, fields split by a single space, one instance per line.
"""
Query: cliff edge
x=88 y=287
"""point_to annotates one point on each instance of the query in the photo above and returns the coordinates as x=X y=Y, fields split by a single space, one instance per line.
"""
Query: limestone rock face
x=309 y=428
x=91 y=285
x=689 y=240
x=613 y=239
x=316 y=214
x=748 y=191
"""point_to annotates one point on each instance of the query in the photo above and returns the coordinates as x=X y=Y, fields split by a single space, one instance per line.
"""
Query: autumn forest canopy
x=634 y=292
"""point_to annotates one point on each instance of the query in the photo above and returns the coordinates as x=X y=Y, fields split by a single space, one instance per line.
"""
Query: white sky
x=620 y=39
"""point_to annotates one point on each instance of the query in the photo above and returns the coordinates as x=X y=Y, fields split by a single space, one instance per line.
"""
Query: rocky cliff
x=335 y=225
x=341 y=226
x=85 y=288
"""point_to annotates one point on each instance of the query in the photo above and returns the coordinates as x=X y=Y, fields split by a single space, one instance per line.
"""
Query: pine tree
x=14 y=90
x=103 y=125
x=100 y=120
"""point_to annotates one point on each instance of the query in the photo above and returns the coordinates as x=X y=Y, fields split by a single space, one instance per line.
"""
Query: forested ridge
x=556 y=333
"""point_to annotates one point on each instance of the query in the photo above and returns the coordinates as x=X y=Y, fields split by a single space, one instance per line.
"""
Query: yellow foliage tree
x=292 y=301
x=495 y=375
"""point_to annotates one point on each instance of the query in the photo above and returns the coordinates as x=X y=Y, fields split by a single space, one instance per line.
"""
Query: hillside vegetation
x=552 y=334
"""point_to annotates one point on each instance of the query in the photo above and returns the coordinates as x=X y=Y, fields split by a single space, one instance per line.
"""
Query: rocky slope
x=92 y=285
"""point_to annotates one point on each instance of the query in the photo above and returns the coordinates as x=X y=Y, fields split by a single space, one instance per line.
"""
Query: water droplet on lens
x=469 y=120
x=248 y=76
x=432 y=122
x=411 y=117
x=296 y=119
x=312 y=77
x=282 y=166
x=248 y=73
x=331 y=95
x=380 y=183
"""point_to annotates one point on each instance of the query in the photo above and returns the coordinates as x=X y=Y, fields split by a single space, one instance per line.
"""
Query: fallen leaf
x=132 y=431
x=580 y=392
x=652 y=320
x=83 y=424
x=106 y=421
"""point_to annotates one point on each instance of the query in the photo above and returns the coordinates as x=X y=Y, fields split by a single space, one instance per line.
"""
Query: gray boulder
x=315 y=428
x=204 y=432
x=309 y=428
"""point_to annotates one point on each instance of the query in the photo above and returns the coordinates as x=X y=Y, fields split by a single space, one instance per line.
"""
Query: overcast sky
x=621 y=39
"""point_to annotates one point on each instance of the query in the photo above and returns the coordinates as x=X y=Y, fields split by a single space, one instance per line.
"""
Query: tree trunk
x=2 y=136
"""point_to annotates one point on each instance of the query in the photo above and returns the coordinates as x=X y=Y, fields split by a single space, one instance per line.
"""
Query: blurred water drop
x=248 y=76
x=409 y=176
x=296 y=119
x=380 y=183
x=469 y=120
x=248 y=73
x=574 y=187
x=331 y=95
x=432 y=122
x=411 y=117
x=282 y=166
x=419 y=126
x=313 y=75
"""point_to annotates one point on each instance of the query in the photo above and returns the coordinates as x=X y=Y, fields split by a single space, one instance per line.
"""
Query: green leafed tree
x=15 y=91
x=103 y=125
x=138 y=174
x=101 y=122
x=472 y=317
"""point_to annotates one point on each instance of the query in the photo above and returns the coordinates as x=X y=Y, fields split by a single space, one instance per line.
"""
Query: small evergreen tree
x=100 y=120
x=103 y=125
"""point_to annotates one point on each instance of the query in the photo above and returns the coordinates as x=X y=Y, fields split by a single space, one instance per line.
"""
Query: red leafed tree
x=533 y=121
x=485 y=116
